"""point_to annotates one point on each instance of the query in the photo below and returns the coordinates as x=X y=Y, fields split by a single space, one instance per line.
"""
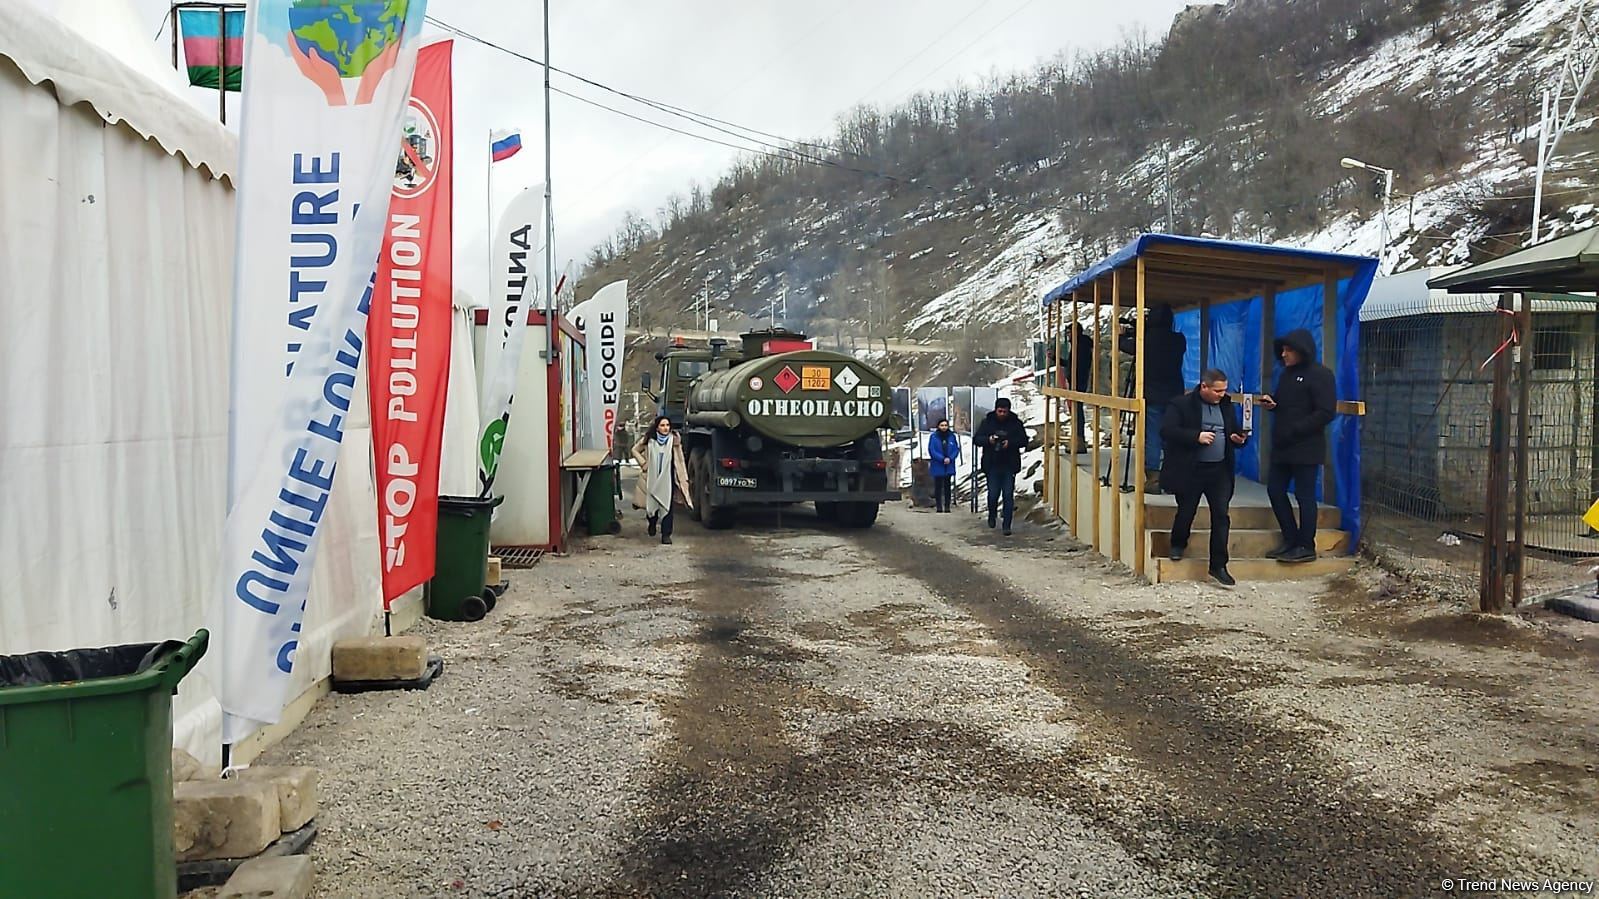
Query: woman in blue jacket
x=943 y=451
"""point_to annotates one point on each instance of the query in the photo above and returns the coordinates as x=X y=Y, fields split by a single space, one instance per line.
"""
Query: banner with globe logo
x=325 y=93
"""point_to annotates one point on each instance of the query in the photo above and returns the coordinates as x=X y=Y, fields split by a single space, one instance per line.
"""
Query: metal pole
x=1523 y=351
x=549 y=209
x=1387 y=234
x=1543 y=159
x=488 y=190
x=222 y=65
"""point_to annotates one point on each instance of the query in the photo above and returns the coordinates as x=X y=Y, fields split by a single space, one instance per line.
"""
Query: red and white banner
x=409 y=331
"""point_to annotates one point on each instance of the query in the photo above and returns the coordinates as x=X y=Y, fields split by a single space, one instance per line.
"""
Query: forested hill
x=945 y=217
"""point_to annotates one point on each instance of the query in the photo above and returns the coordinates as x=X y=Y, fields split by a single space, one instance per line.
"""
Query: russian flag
x=504 y=144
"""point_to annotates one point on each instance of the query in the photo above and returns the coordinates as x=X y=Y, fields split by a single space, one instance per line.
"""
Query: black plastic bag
x=36 y=669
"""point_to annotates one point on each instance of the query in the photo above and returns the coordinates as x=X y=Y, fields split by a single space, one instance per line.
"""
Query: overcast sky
x=784 y=68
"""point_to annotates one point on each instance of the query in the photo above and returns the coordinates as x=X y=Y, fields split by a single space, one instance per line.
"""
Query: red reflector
x=773 y=347
x=729 y=463
x=880 y=464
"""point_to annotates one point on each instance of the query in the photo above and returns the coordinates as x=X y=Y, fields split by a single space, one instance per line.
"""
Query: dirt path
x=929 y=709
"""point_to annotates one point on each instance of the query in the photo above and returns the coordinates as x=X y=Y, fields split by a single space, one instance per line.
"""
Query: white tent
x=116 y=262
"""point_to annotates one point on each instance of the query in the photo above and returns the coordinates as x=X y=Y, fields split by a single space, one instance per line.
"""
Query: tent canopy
x=1183 y=272
x=1563 y=265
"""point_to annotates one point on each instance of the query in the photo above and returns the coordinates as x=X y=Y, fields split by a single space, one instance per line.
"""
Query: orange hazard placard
x=816 y=377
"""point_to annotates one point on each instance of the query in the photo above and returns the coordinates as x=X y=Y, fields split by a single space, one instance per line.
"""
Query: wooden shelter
x=1223 y=292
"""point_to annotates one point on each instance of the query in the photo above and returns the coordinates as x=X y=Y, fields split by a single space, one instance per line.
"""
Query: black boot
x=651 y=520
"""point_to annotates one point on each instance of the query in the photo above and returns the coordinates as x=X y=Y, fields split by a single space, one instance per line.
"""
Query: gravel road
x=930 y=709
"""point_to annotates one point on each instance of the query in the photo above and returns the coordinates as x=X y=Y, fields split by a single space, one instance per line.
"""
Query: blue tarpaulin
x=1235 y=342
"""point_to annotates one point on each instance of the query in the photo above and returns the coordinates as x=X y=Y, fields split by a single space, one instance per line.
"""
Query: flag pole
x=488 y=191
x=549 y=211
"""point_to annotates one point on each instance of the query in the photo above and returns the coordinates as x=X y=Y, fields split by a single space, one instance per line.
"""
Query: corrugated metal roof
x=1407 y=294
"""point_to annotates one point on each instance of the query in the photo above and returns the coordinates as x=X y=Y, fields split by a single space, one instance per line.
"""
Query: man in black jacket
x=1002 y=437
x=1302 y=406
x=1164 y=348
x=1201 y=430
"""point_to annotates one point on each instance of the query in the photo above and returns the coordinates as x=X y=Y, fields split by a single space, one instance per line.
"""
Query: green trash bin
x=599 y=501
x=458 y=590
x=86 y=770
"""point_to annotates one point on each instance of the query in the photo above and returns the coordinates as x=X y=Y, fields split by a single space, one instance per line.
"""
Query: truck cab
x=677 y=370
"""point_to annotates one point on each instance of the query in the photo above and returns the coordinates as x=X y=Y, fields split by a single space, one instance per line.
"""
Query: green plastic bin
x=459 y=589
x=599 y=501
x=86 y=770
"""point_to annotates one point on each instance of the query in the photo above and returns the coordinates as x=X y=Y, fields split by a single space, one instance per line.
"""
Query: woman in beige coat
x=663 y=476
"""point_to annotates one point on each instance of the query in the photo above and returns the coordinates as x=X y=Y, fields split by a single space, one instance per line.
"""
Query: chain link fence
x=1425 y=436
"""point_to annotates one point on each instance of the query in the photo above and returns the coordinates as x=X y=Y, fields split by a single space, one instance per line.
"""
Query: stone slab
x=1584 y=607
x=230 y=818
x=297 y=792
x=379 y=658
x=282 y=877
x=215 y=872
x=494 y=570
x=187 y=767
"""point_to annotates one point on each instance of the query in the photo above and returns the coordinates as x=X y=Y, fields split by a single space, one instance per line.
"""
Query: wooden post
x=1051 y=408
x=1077 y=438
x=1093 y=457
x=1268 y=359
x=1329 y=358
x=1141 y=423
x=1204 y=338
x=1491 y=588
x=1523 y=423
x=1117 y=466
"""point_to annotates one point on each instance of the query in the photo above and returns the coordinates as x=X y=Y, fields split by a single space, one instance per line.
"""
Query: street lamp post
x=1387 y=194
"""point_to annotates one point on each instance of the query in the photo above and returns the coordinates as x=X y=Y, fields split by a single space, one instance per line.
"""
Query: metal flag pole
x=488 y=190
x=549 y=211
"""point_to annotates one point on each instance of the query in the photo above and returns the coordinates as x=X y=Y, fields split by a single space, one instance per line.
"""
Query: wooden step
x=1244 y=518
x=1247 y=570
x=1245 y=544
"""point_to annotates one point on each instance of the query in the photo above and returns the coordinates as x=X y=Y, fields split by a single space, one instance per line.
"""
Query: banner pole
x=549 y=209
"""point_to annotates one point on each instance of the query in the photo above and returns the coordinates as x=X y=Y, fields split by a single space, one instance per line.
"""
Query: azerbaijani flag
x=212 y=40
x=504 y=144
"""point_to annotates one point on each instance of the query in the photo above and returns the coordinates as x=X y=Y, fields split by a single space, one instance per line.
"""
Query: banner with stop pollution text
x=516 y=241
x=409 y=329
x=602 y=319
x=325 y=96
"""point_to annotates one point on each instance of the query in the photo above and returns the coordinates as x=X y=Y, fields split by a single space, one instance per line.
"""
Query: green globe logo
x=332 y=41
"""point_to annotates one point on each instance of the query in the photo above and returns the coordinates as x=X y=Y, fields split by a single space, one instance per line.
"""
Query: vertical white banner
x=516 y=243
x=324 y=97
x=602 y=319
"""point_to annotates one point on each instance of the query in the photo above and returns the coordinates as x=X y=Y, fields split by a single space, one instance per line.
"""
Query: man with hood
x=1164 y=348
x=1002 y=436
x=1302 y=406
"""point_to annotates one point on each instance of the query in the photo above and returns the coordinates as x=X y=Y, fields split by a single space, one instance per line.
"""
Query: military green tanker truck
x=775 y=422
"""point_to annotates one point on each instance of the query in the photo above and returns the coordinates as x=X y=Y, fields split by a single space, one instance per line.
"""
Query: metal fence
x=1425 y=457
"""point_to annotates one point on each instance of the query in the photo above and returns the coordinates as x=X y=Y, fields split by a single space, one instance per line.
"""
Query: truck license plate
x=735 y=482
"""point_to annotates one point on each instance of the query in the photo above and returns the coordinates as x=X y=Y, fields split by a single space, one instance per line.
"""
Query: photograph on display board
x=960 y=412
x=931 y=405
x=902 y=409
x=983 y=403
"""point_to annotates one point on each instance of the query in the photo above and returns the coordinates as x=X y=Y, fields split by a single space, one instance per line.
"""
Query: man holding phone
x=1001 y=437
x=1201 y=430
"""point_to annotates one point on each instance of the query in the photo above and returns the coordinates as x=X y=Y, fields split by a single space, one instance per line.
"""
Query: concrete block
x=297 y=792
x=224 y=818
x=187 y=767
x=380 y=658
x=495 y=573
x=282 y=877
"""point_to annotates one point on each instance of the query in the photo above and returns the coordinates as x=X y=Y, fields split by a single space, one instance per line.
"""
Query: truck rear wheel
x=694 y=482
x=827 y=511
x=712 y=516
x=857 y=515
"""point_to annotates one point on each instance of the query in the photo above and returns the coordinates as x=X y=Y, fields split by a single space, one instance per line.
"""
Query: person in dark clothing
x=1080 y=360
x=1002 y=437
x=1302 y=406
x=1201 y=430
x=943 y=451
x=1164 y=348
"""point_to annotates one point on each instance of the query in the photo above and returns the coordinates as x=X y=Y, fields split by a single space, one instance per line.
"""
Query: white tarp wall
x=523 y=477
x=458 y=452
x=115 y=276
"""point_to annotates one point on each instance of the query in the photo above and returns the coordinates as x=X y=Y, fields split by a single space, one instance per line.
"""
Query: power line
x=962 y=51
x=928 y=46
